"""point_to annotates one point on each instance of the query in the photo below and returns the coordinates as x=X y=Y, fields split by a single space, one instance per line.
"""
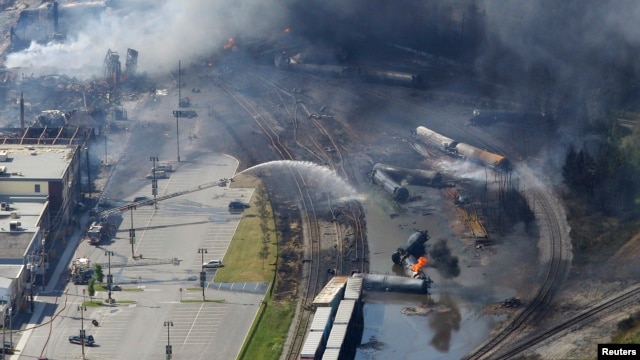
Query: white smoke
x=163 y=32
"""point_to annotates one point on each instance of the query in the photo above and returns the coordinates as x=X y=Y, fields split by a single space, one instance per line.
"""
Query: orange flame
x=230 y=44
x=287 y=30
x=422 y=261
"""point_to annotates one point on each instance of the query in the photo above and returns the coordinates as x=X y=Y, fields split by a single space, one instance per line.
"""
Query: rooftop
x=36 y=162
x=15 y=242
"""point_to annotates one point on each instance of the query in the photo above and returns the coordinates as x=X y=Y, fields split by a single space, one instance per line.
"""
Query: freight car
x=458 y=149
x=483 y=157
x=432 y=138
x=418 y=177
x=336 y=71
x=390 y=77
x=399 y=193
x=489 y=117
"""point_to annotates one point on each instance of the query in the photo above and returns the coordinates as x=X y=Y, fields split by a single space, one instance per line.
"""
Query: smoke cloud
x=440 y=258
x=163 y=32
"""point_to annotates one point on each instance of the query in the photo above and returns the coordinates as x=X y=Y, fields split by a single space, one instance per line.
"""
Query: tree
x=264 y=253
x=98 y=274
x=91 y=288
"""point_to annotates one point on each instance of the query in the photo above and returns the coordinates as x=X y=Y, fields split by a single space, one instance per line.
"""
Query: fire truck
x=81 y=271
x=99 y=231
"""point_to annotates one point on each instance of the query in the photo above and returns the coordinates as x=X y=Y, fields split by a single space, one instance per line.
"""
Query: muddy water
x=455 y=324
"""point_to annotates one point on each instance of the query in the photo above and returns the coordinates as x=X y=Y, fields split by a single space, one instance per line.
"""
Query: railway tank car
x=484 y=157
x=458 y=149
x=390 y=77
x=432 y=138
x=367 y=74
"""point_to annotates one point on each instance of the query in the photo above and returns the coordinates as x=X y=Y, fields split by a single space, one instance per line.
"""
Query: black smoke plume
x=440 y=258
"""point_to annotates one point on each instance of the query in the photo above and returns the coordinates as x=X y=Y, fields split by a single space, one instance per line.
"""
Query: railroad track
x=312 y=229
x=611 y=304
x=547 y=213
x=335 y=159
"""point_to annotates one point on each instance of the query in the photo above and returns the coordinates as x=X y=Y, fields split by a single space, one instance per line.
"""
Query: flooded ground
x=453 y=323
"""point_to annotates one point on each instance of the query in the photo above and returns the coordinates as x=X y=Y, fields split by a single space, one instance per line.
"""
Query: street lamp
x=82 y=309
x=168 y=351
x=203 y=274
x=154 y=181
x=109 y=277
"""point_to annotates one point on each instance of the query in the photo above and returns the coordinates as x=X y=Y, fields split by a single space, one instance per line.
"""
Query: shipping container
x=345 y=312
x=353 y=289
x=313 y=346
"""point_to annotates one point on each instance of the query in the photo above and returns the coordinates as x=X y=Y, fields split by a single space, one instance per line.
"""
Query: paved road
x=135 y=328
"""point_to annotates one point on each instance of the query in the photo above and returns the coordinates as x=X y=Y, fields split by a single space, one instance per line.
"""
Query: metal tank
x=412 y=176
x=432 y=138
x=482 y=156
x=394 y=283
x=399 y=193
x=415 y=245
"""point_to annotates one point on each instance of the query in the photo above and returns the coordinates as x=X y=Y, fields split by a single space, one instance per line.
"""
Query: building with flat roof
x=51 y=171
x=40 y=187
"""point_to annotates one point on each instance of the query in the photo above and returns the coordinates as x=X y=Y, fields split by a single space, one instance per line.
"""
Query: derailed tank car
x=399 y=193
x=432 y=138
x=484 y=157
x=458 y=149
x=412 y=176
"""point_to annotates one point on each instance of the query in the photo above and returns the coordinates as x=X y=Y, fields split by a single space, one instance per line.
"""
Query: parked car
x=163 y=167
x=143 y=200
x=88 y=341
x=238 y=205
x=7 y=348
x=212 y=264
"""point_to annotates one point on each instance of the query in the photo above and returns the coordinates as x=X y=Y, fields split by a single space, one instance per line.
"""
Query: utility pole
x=176 y=113
x=109 y=277
x=42 y=263
x=104 y=130
x=132 y=232
x=154 y=181
x=203 y=274
x=168 y=351
x=32 y=278
x=82 y=309
x=88 y=170
x=4 y=327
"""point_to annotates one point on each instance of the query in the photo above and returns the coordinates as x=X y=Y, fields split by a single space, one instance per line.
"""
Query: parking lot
x=162 y=286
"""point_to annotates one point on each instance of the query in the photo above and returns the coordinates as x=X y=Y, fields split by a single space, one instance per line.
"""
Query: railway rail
x=585 y=316
x=311 y=220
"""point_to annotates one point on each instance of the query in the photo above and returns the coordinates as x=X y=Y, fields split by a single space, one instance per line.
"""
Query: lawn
x=242 y=262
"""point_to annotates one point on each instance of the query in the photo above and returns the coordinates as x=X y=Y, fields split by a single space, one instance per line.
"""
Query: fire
x=230 y=44
x=287 y=30
x=422 y=261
